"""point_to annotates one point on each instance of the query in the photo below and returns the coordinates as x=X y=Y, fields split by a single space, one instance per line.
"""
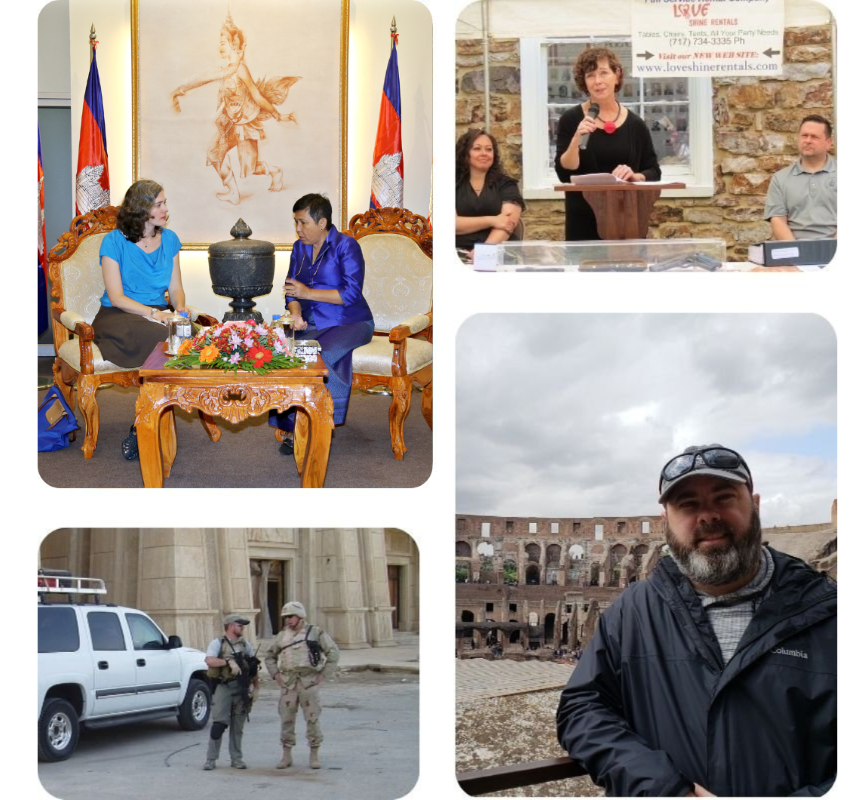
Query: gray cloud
x=573 y=415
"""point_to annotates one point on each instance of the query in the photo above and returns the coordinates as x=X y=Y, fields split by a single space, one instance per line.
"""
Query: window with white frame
x=485 y=529
x=533 y=527
x=598 y=532
x=646 y=526
x=677 y=111
x=553 y=527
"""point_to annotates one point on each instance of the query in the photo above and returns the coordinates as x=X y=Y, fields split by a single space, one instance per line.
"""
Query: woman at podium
x=600 y=135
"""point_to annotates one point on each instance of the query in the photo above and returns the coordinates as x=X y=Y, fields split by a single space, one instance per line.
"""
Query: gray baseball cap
x=704 y=459
x=237 y=618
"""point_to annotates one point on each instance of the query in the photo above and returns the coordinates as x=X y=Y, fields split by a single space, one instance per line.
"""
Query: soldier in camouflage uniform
x=229 y=701
x=299 y=659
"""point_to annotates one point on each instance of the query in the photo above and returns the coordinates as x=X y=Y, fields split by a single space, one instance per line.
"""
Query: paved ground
x=369 y=719
x=478 y=678
x=506 y=715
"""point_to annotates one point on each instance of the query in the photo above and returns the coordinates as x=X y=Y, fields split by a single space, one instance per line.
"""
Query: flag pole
x=393 y=33
x=93 y=41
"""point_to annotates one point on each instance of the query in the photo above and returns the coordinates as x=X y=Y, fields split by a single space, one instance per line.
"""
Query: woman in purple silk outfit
x=324 y=297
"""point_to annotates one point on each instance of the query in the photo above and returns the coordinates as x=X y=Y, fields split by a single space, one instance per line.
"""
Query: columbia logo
x=781 y=651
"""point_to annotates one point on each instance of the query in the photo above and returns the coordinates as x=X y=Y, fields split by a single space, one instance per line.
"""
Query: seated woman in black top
x=619 y=142
x=489 y=204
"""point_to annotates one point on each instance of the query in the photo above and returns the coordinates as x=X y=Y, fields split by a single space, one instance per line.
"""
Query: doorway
x=394 y=595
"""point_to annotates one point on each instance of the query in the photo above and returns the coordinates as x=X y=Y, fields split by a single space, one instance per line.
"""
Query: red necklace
x=609 y=126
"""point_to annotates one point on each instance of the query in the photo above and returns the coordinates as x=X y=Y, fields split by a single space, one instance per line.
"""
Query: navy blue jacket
x=652 y=709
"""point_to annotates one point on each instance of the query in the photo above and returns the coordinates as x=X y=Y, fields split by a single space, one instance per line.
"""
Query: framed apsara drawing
x=239 y=109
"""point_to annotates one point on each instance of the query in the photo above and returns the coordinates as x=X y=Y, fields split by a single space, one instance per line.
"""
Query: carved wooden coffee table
x=215 y=393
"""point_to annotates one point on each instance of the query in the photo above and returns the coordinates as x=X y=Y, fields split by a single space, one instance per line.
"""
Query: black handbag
x=56 y=422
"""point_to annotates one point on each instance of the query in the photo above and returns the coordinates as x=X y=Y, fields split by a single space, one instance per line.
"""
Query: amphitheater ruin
x=535 y=587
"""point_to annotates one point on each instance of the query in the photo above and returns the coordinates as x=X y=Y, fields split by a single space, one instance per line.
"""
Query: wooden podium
x=622 y=209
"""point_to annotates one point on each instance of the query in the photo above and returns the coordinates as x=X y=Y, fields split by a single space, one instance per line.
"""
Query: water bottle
x=283 y=322
x=178 y=330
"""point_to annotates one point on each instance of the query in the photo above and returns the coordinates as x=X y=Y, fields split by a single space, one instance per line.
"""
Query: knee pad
x=217 y=731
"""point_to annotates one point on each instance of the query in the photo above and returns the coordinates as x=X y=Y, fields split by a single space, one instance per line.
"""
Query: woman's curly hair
x=587 y=62
x=464 y=145
x=135 y=210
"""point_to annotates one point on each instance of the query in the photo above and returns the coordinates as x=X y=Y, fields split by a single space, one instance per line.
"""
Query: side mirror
x=173 y=642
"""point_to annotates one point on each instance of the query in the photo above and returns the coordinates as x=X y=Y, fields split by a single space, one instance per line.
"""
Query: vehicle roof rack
x=58 y=581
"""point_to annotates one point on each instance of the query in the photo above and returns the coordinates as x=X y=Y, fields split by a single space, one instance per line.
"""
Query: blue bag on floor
x=56 y=422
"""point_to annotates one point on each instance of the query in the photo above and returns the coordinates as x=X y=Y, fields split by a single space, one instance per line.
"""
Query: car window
x=58 y=630
x=105 y=630
x=144 y=633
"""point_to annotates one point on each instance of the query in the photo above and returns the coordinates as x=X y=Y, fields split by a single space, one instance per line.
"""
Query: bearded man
x=717 y=675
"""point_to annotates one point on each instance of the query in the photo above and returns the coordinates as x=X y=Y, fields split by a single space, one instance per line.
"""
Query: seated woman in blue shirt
x=140 y=260
x=323 y=293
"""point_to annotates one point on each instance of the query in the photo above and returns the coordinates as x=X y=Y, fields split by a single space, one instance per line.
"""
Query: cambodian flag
x=43 y=245
x=386 y=187
x=92 y=184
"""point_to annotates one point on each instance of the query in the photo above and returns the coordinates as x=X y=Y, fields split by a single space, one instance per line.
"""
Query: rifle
x=249 y=666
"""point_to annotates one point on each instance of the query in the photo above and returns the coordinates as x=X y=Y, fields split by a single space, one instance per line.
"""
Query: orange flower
x=209 y=354
x=184 y=348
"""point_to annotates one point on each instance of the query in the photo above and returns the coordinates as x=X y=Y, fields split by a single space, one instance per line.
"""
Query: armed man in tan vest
x=299 y=659
x=226 y=657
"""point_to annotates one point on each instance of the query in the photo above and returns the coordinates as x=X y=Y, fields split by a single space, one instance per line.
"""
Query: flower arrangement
x=249 y=346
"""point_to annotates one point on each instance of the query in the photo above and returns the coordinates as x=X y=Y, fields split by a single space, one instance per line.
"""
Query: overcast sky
x=574 y=415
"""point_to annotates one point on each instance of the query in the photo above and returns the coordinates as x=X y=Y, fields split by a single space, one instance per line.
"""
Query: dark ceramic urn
x=242 y=268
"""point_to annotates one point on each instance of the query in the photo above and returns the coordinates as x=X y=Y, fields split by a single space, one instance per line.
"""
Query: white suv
x=103 y=665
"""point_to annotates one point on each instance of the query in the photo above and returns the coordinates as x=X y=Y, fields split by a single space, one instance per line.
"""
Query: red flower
x=259 y=355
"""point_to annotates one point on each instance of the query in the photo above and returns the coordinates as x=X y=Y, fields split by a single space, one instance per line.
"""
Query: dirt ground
x=510 y=730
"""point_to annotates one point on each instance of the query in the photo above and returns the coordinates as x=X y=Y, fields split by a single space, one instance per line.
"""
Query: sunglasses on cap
x=719 y=459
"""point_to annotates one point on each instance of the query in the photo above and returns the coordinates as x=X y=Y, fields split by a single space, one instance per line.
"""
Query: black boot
x=129 y=445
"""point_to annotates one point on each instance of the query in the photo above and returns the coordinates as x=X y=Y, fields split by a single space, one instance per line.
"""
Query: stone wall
x=755 y=134
x=561 y=618
x=625 y=553
x=187 y=579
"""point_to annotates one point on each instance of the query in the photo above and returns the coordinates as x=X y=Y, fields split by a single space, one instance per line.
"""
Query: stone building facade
x=755 y=135
x=530 y=586
x=575 y=552
x=360 y=584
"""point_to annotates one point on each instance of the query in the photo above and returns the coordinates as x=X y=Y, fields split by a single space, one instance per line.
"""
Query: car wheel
x=58 y=731
x=194 y=711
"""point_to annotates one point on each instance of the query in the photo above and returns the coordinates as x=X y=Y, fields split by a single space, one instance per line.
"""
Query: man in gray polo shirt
x=801 y=200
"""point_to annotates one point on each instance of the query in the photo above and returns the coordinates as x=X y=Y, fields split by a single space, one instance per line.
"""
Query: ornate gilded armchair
x=76 y=288
x=398 y=285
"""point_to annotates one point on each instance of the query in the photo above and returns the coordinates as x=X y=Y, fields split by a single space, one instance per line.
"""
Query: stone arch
x=510 y=572
x=616 y=555
x=533 y=552
x=639 y=552
x=468 y=633
x=464 y=550
x=553 y=556
x=594 y=578
x=486 y=549
x=576 y=552
x=549 y=630
x=532 y=575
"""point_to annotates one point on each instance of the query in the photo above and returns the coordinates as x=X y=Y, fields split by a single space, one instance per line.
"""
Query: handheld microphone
x=593 y=111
